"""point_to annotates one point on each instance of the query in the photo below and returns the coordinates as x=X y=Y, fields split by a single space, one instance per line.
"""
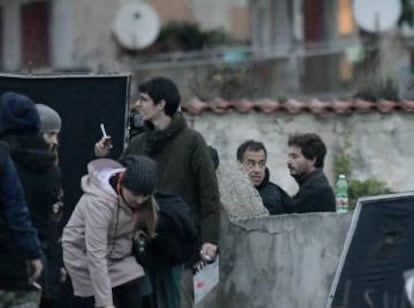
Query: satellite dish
x=136 y=25
x=377 y=15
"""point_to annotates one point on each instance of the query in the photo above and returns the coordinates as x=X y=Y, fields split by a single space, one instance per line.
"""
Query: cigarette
x=103 y=131
x=36 y=285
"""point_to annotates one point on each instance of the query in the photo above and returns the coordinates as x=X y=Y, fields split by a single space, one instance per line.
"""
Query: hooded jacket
x=97 y=240
x=185 y=168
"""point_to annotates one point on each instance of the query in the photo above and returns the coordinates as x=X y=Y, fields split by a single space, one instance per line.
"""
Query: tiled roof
x=315 y=106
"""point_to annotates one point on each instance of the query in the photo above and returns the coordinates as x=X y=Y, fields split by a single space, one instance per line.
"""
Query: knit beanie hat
x=140 y=175
x=18 y=115
x=49 y=118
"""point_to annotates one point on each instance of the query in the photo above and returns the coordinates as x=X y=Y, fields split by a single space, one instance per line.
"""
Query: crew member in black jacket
x=20 y=250
x=36 y=161
x=253 y=156
x=305 y=162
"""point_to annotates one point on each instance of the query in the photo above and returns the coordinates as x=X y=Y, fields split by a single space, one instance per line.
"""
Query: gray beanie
x=140 y=174
x=49 y=118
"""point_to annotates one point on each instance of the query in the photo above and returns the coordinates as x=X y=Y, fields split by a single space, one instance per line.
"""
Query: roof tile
x=386 y=106
x=341 y=107
x=245 y=106
x=362 y=105
x=293 y=106
x=269 y=106
x=407 y=106
x=315 y=106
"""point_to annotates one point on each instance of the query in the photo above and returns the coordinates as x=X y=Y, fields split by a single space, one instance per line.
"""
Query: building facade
x=77 y=34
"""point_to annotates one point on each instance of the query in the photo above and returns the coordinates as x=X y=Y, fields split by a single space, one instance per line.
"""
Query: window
x=314 y=23
x=346 y=23
x=25 y=27
x=35 y=34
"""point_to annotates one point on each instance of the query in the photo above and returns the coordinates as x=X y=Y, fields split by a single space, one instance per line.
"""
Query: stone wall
x=381 y=144
x=286 y=261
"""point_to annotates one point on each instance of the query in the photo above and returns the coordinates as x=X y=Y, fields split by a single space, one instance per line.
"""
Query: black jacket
x=41 y=180
x=275 y=199
x=18 y=238
x=176 y=241
x=315 y=194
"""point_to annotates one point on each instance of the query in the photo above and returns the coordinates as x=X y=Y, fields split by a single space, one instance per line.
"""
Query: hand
x=35 y=268
x=103 y=147
x=63 y=275
x=208 y=251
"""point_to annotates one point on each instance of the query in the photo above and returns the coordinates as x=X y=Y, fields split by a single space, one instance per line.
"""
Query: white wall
x=382 y=144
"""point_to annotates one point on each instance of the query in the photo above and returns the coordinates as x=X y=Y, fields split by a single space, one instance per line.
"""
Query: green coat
x=186 y=169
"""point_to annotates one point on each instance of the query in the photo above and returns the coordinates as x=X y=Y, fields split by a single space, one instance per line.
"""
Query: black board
x=83 y=102
x=379 y=247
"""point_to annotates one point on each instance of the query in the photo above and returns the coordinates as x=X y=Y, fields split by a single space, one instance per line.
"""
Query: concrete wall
x=93 y=46
x=286 y=261
x=232 y=16
x=272 y=261
x=381 y=144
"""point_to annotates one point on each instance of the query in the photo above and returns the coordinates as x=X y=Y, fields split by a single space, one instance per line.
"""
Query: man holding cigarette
x=184 y=164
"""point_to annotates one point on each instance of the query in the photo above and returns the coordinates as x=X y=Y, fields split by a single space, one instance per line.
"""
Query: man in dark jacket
x=36 y=161
x=305 y=162
x=184 y=164
x=253 y=156
x=20 y=249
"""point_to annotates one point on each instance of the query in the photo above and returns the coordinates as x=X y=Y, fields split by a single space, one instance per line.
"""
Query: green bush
x=368 y=187
x=188 y=36
x=356 y=188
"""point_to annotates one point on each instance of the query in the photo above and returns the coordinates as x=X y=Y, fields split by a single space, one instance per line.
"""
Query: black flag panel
x=379 y=247
x=83 y=102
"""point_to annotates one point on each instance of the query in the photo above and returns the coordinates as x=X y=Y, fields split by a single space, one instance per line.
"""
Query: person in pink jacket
x=97 y=240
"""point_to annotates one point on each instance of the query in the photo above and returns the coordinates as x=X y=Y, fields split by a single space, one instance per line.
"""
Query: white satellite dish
x=377 y=15
x=136 y=25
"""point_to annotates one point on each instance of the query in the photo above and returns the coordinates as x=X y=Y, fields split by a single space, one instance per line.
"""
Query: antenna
x=136 y=25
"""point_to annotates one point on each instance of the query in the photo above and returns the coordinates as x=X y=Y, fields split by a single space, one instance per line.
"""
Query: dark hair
x=162 y=88
x=250 y=145
x=311 y=145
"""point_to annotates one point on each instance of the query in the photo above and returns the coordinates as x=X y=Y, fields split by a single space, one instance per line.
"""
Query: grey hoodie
x=97 y=240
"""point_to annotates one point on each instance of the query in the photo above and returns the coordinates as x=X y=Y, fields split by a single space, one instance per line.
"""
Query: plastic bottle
x=341 y=194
